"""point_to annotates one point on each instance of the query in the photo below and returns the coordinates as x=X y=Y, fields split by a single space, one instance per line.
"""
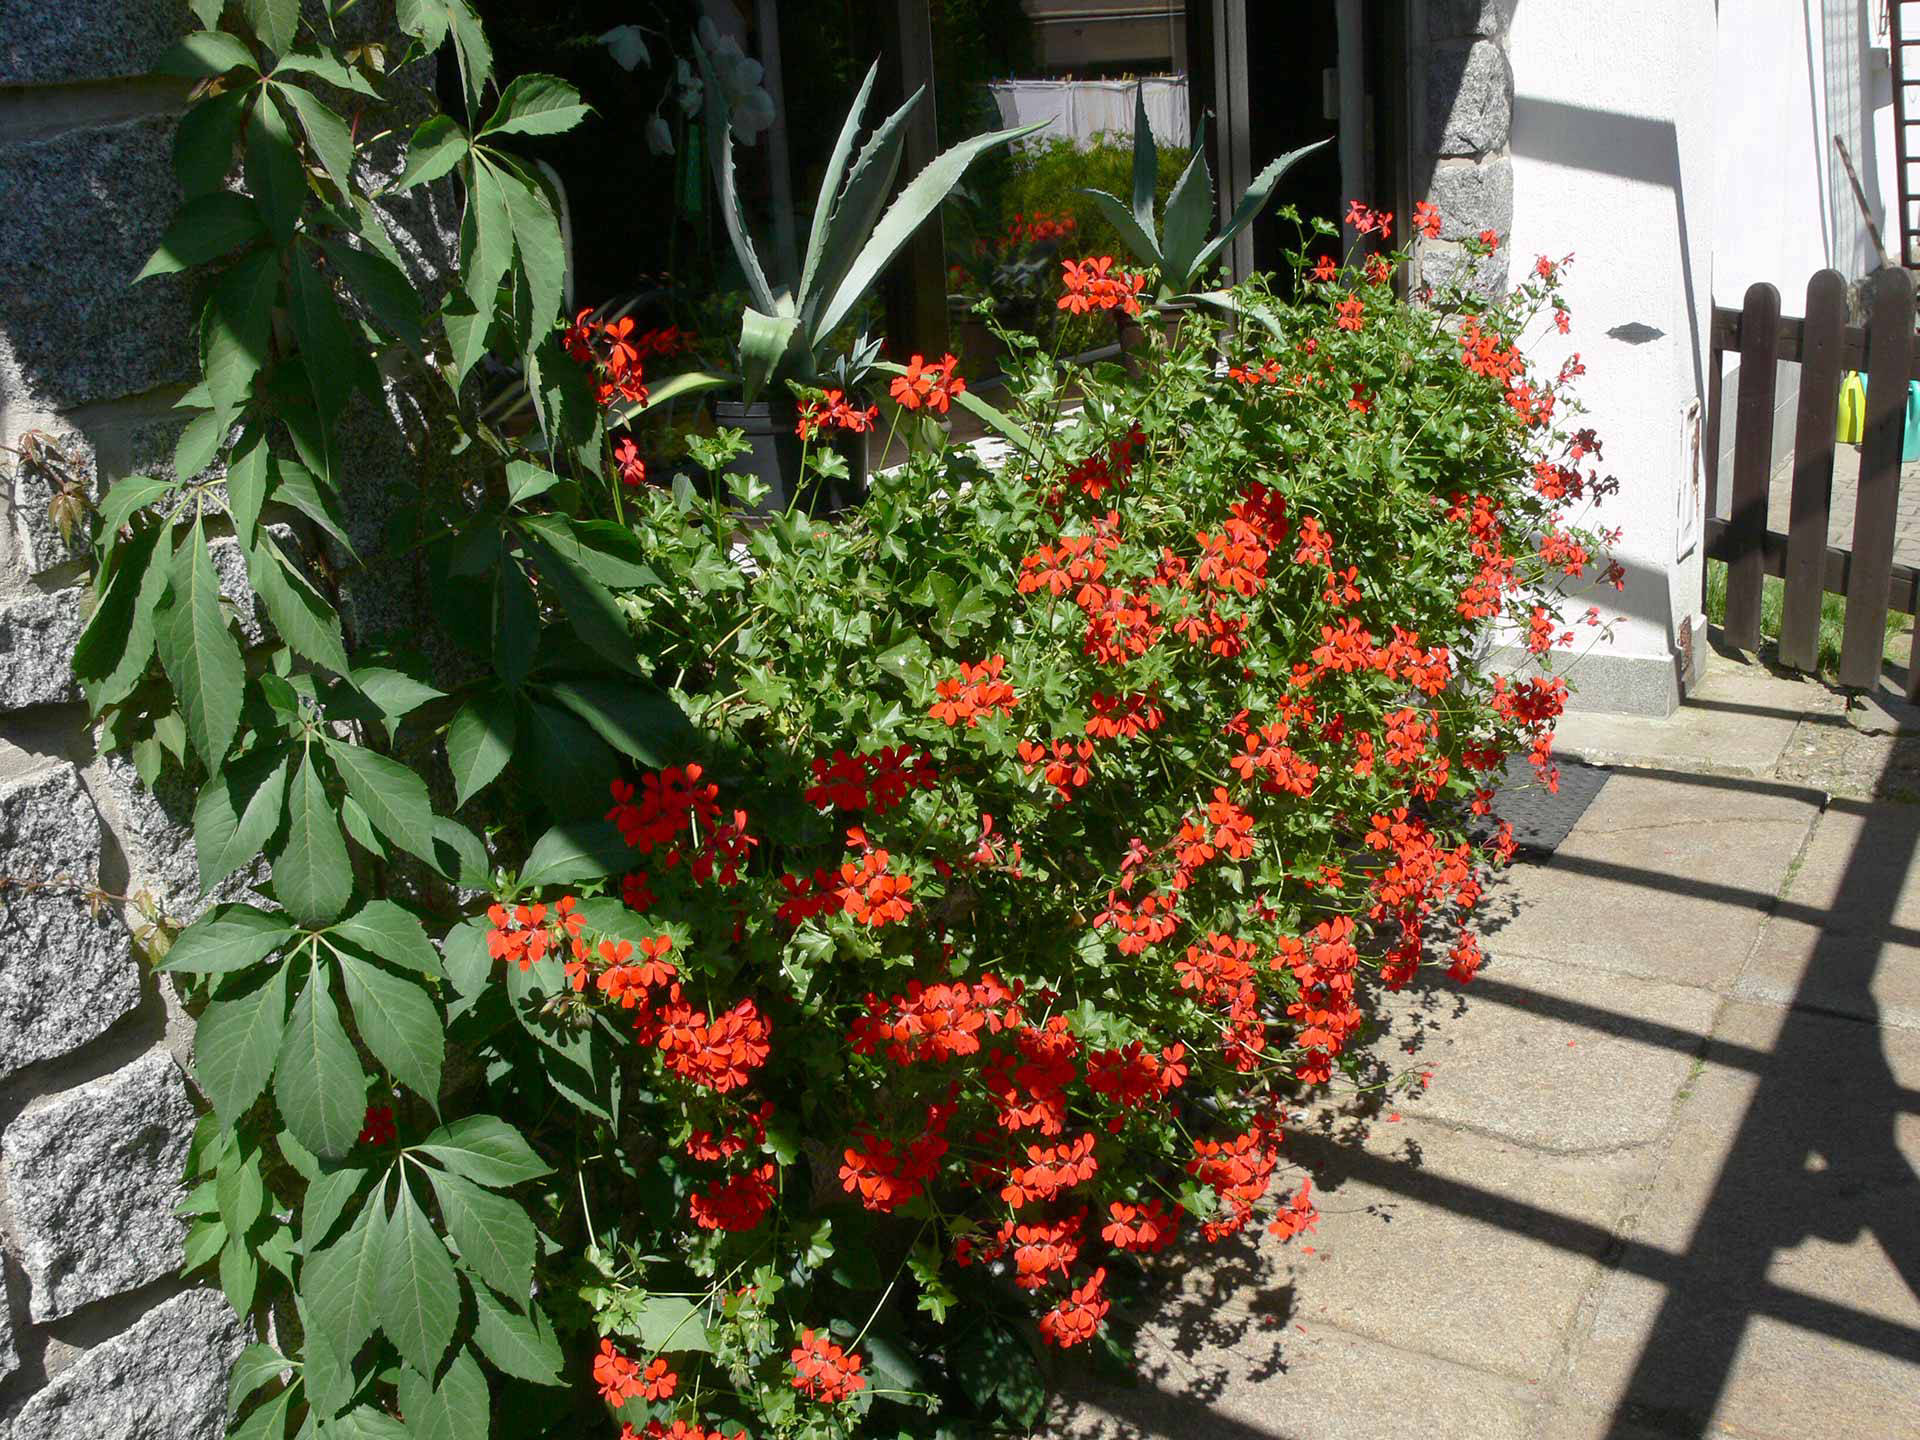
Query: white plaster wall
x=1614 y=138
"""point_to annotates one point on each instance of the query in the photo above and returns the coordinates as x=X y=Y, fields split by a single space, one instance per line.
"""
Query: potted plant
x=786 y=327
x=1178 y=245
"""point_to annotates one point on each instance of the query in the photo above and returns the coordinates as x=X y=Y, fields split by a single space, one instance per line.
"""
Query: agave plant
x=1179 y=246
x=783 y=333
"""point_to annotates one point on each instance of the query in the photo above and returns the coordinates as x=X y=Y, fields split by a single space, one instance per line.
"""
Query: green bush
x=1054 y=178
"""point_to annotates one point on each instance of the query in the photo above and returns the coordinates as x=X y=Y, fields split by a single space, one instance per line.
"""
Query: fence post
x=1752 y=460
x=1889 y=369
x=1813 y=439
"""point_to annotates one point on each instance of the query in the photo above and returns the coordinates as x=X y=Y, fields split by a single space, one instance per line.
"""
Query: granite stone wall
x=1462 y=123
x=99 y=1338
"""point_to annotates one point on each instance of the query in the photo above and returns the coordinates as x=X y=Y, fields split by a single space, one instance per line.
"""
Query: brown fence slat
x=1752 y=454
x=1889 y=364
x=1726 y=334
x=1813 y=441
x=1836 y=569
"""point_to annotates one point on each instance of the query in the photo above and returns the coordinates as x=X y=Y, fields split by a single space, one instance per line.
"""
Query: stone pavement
x=1846 y=491
x=1662 y=1180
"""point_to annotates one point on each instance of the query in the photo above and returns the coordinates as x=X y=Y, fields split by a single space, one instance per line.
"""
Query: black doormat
x=1542 y=818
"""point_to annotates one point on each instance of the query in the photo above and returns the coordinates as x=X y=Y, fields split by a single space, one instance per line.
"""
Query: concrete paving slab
x=1737 y=722
x=1772 y=1283
x=1557 y=1056
x=1847 y=935
x=1292 y=1383
x=1665 y=877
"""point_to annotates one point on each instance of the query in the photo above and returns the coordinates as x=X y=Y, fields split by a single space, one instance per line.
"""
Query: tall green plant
x=1178 y=244
x=784 y=333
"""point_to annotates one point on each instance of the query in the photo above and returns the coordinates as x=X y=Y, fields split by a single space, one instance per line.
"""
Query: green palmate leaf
x=317 y=1082
x=306 y=622
x=633 y=716
x=432 y=20
x=394 y=798
x=257 y=1365
x=479 y=741
x=519 y=1342
x=399 y=1022
x=239 y=1273
x=268 y=1422
x=524 y=481
x=453 y=1407
x=469 y=963
x=1189 y=218
x=200 y=653
x=237 y=1042
x=486 y=1150
x=204 y=1239
x=276 y=22
x=921 y=197
x=204 y=140
x=608 y=551
x=331 y=1382
x=297 y=486
x=576 y=850
x=237 y=333
x=327 y=68
x=312 y=875
x=538 y=244
x=227 y=938
x=589 y=607
x=419 y=1298
x=436 y=147
x=339 y=1284
x=671 y=1322
x=121 y=503
x=394 y=693
x=205 y=54
x=325 y=1201
x=326 y=132
x=486 y=251
x=459 y=855
x=516 y=623
x=200 y=441
x=364 y=1423
x=337 y=363
x=237 y=812
x=205 y=228
x=537 y=105
x=113 y=650
x=492 y=1233
x=247 y=483
x=382 y=928
x=383 y=286
x=274 y=173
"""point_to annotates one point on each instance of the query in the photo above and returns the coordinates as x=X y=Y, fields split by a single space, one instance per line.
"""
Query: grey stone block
x=80 y=212
x=93 y=1175
x=1453 y=19
x=9 y=1356
x=37 y=635
x=86 y=39
x=165 y=1376
x=1443 y=266
x=1469 y=99
x=67 y=972
x=155 y=830
x=1473 y=196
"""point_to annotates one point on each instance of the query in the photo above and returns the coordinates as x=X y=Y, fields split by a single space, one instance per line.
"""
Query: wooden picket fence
x=1826 y=347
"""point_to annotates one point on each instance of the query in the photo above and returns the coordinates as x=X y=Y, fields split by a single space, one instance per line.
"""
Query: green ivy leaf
x=419 y=1298
x=239 y=1273
x=576 y=850
x=394 y=798
x=632 y=716
x=247 y=483
x=589 y=607
x=326 y=1199
x=493 y=1234
x=456 y=1407
x=204 y=229
x=112 y=652
x=521 y=1345
x=537 y=241
x=516 y=623
x=274 y=21
x=384 y=286
x=237 y=1042
x=486 y=250
x=337 y=363
x=200 y=653
x=299 y=487
x=383 y=928
x=469 y=963
x=336 y=73
x=257 y=1366
x=537 y=105
x=237 y=334
x=317 y=1080
x=399 y=1022
x=484 y=1149
x=268 y=1422
x=479 y=743
x=203 y=142
x=312 y=875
